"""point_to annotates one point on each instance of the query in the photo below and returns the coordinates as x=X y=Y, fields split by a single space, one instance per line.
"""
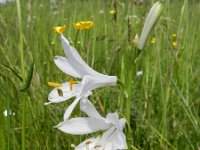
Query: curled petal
x=64 y=65
x=82 y=125
x=76 y=61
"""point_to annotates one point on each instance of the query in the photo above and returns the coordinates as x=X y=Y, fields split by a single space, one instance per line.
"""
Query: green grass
x=162 y=106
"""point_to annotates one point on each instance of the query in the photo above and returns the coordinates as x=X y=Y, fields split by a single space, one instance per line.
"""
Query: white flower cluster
x=112 y=137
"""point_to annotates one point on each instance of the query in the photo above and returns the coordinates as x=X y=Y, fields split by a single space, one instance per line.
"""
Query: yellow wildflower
x=112 y=12
x=52 y=43
x=88 y=24
x=153 y=40
x=78 y=42
x=59 y=29
x=122 y=4
x=174 y=35
x=83 y=25
x=174 y=44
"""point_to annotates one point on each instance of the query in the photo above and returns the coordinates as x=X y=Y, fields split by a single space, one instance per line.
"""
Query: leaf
x=29 y=78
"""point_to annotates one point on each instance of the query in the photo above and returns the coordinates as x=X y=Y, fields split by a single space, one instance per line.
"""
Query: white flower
x=112 y=138
x=150 y=21
x=8 y=112
x=139 y=73
x=75 y=66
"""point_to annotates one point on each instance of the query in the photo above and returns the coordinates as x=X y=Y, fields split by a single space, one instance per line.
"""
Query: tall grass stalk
x=21 y=48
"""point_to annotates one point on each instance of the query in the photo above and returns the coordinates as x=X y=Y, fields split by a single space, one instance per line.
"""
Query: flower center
x=71 y=82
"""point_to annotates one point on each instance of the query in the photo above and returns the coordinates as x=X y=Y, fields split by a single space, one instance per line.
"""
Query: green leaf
x=29 y=78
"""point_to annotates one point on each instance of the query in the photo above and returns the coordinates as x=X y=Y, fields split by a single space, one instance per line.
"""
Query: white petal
x=113 y=139
x=107 y=136
x=88 y=144
x=89 y=82
x=119 y=141
x=82 y=125
x=76 y=61
x=87 y=107
x=54 y=96
x=113 y=118
x=64 y=65
x=70 y=109
x=109 y=146
x=150 y=21
x=122 y=123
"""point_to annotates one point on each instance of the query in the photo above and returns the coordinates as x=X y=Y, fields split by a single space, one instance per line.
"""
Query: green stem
x=21 y=48
x=76 y=38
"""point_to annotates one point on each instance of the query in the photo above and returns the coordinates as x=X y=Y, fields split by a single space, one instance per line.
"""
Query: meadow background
x=162 y=106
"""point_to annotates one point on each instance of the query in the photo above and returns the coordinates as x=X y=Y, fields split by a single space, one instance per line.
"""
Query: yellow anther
x=71 y=82
x=59 y=29
x=88 y=142
x=54 y=84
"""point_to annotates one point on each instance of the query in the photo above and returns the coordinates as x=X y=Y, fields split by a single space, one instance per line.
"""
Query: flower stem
x=76 y=38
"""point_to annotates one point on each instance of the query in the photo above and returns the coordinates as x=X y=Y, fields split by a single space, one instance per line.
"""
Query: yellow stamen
x=71 y=82
x=54 y=84
x=59 y=29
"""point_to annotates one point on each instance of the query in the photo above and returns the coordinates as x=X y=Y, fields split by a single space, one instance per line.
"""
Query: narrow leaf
x=29 y=78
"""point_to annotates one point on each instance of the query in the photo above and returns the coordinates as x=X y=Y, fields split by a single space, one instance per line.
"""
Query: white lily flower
x=113 y=137
x=150 y=21
x=75 y=66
